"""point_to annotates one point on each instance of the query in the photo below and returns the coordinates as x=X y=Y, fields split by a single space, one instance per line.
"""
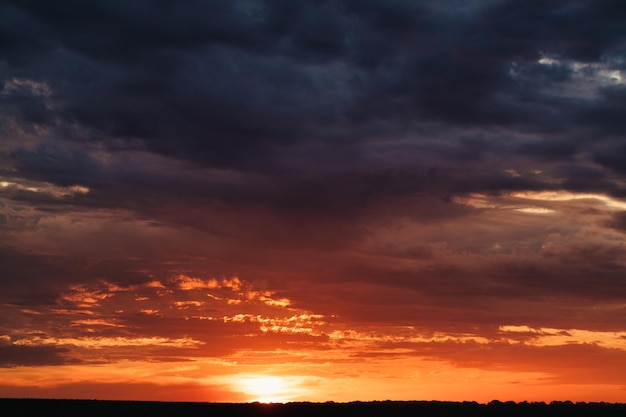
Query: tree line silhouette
x=96 y=408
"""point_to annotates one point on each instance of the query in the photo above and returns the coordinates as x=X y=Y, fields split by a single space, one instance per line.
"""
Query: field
x=94 y=408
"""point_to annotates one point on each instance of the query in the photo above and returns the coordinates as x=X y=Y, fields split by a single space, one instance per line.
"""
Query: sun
x=265 y=389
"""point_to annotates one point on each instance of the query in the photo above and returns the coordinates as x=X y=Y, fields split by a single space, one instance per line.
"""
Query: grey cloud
x=240 y=84
x=16 y=355
x=618 y=221
x=62 y=166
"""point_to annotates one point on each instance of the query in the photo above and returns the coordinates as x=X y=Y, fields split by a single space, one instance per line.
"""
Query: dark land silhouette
x=95 y=408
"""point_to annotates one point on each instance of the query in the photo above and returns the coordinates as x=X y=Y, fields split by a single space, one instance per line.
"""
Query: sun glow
x=265 y=389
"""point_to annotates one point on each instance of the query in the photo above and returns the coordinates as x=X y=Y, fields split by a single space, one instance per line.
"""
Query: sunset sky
x=242 y=200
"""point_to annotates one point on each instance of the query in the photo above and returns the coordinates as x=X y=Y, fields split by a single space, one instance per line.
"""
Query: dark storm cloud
x=224 y=83
x=37 y=280
x=550 y=150
x=557 y=25
x=15 y=355
x=24 y=102
x=24 y=272
x=284 y=87
x=58 y=165
x=618 y=221
x=192 y=74
x=21 y=38
x=614 y=158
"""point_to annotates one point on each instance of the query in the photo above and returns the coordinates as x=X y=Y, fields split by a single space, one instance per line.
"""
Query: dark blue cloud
x=298 y=92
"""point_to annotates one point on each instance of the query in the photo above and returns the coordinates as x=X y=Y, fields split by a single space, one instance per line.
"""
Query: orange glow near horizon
x=395 y=380
x=275 y=352
x=387 y=319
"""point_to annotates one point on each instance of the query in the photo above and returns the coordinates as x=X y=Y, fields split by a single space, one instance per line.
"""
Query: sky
x=278 y=201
